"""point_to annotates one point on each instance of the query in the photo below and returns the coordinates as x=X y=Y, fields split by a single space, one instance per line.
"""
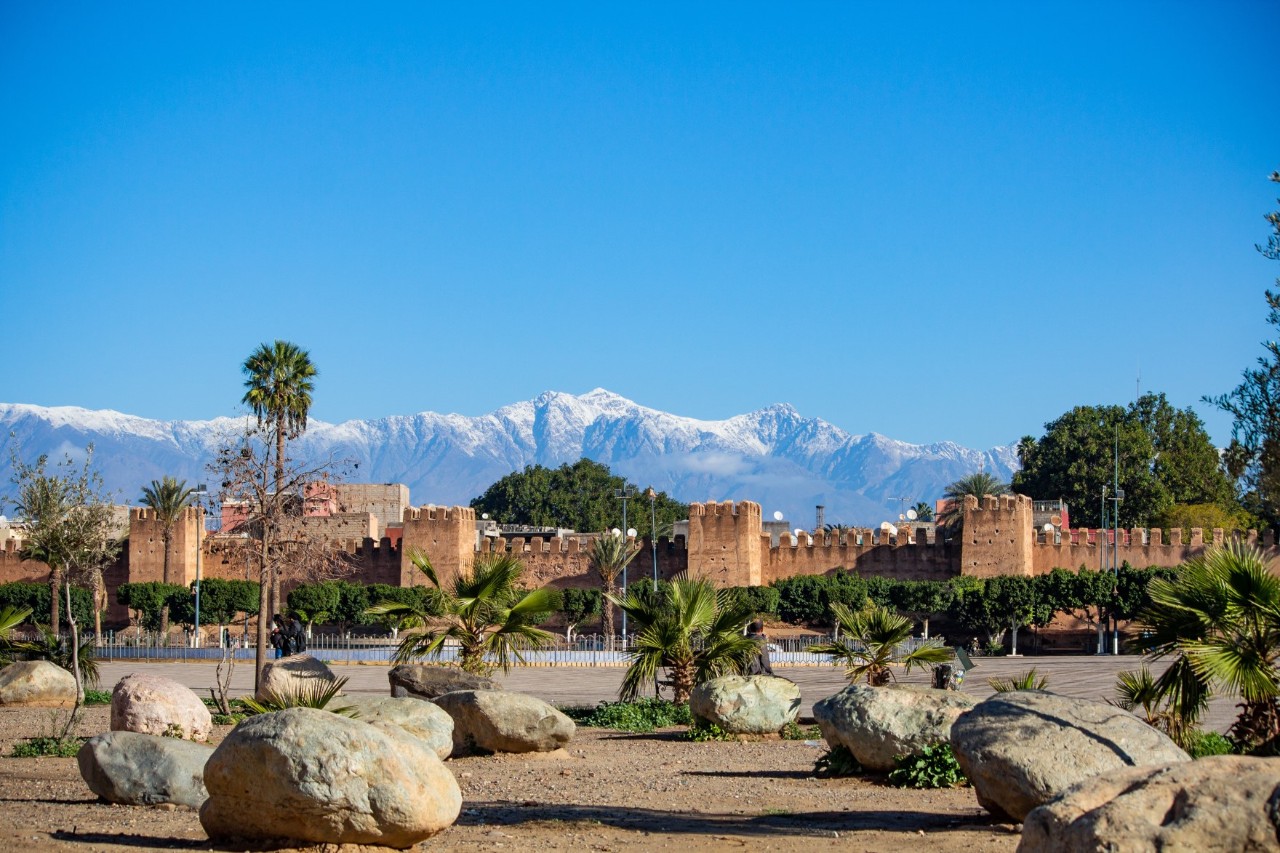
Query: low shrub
x=935 y=766
x=228 y=719
x=1029 y=680
x=41 y=747
x=97 y=697
x=702 y=731
x=795 y=731
x=837 y=761
x=640 y=715
x=1201 y=744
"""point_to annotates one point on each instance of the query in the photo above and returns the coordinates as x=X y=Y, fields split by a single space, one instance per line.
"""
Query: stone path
x=1088 y=677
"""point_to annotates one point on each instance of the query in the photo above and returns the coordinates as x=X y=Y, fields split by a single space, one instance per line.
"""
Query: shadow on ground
x=814 y=824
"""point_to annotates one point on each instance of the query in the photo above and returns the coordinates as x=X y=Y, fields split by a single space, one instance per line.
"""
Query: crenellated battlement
x=1141 y=547
x=440 y=514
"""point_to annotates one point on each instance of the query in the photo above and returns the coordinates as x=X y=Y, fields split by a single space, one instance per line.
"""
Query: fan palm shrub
x=1219 y=620
x=1029 y=680
x=10 y=618
x=690 y=629
x=483 y=612
x=608 y=555
x=1141 y=690
x=871 y=645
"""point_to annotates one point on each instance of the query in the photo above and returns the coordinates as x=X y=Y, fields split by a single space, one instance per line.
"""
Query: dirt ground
x=607 y=791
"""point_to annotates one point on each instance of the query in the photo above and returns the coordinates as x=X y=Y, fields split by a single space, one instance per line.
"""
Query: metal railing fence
x=582 y=650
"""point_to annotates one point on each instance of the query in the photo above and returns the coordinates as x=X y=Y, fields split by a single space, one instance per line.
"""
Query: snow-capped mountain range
x=774 y=456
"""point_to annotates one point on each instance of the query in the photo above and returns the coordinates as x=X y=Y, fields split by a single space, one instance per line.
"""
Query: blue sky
x=932 y=221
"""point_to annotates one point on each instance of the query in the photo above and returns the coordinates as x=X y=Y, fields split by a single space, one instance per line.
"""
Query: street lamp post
x=653 y=534
x=199 y=495
x=626 y=493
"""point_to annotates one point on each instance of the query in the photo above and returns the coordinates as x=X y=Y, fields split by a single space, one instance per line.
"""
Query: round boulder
x=155 y=705
x=424 y=720
x=285 y=675
x=427 y=681
x=877 y=724
x=311 y=775
x=1024 y=748
x=746 y=704
x=36 y=684
x=144 y=770
x=1227 y=802
x=501 y=721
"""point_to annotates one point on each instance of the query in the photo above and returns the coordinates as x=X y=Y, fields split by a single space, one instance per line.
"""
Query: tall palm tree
x=483 y=612
x=609 y=555
x=278 y=388
x=691 y=629
x=924 y=512
x=167 y=497
x=869 y=647
x=1220 y=620
x=980 y=485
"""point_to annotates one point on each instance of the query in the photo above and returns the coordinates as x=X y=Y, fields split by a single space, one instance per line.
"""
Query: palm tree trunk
x=164 y=610
x=275 y=569
x=681 y=683
x=608 y=616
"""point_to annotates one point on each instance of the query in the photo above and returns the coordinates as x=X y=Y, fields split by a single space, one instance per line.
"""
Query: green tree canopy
x=1253 y=457
x=1165 y=456
x=578 y=496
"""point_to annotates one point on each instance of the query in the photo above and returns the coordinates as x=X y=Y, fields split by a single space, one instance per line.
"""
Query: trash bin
x=942 y=676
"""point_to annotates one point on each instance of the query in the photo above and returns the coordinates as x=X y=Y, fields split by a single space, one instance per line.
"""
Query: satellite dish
x=901 y=517
x=777 y=515
x=1048 y=527
x=912 y=515
x=484 y=516
x=1056 y=520
x=631 y=533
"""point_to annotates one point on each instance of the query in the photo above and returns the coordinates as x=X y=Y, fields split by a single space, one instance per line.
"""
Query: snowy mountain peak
x=775 y=455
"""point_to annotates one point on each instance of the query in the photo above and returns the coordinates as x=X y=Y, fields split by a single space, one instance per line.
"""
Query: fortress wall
x=725 y=542
x=997 y=537
x=146 y=546
x=14 y=569
x=1140 y=548
x=563 y=562
x=446 y=535
x=871 y=553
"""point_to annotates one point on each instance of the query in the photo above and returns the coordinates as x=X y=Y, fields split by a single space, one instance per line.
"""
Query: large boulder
x=877 y=724
x=750 y=704
x=155 y=705
x=36 y=684
x=295 y=672
x=1228 y=802
x=424 y=720
x=312 y=775
x=1024 y=748
x=144 y=770
x=427 y=681
x=501 y=721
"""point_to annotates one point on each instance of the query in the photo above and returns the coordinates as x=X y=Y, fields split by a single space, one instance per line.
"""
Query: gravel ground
x=607 y=791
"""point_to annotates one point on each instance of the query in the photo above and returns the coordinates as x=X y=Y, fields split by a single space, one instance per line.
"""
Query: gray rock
x=287 y=674
x=424 y=720
x=746 y=704
x=155 y=705
x=501 y=721
x=311 y=775
x=427 y=681
x=1024 y=748
x=36 y=684
x=144 y=770
x=877 y=724
x=1223 y=803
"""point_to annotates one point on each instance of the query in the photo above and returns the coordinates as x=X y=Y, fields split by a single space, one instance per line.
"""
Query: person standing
x=759 y=665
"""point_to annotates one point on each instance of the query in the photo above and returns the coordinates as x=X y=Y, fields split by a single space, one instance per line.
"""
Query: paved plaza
x=1088 y=677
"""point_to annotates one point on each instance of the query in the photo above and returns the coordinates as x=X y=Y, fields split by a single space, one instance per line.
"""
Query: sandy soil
x=608 y=791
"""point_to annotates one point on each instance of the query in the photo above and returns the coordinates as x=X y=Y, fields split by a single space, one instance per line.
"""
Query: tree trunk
x=681 y=683
x=55 y=593
x=264 y=602
x=608 y=616
x=99 y=605
x=926 y=627
x=164 y=610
